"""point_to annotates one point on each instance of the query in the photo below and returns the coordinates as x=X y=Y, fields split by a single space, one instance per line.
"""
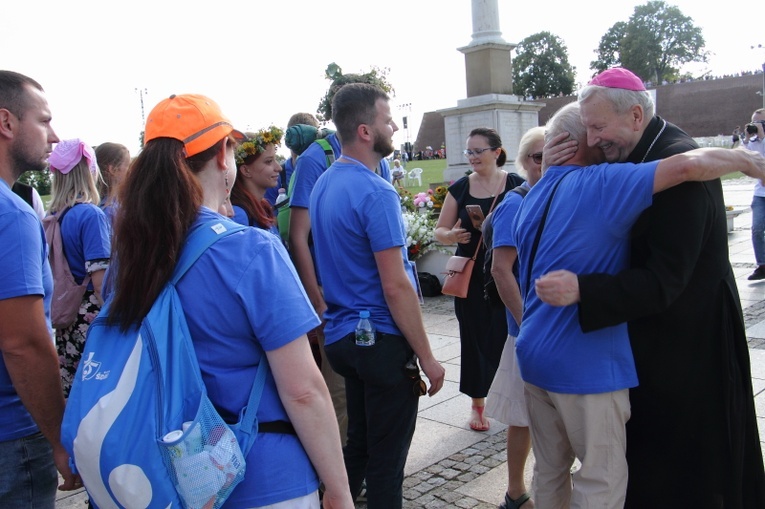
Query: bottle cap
x=364 y=314
x=173 y=436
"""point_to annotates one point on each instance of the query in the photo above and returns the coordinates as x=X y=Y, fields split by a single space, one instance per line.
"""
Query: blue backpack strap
x=197 y=242
x=248 y=426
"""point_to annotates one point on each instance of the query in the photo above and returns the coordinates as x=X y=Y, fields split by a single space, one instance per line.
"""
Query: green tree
x=334 y=73
x=40 y=180
x=655 y=43
x=541 y=67
x=609 y=48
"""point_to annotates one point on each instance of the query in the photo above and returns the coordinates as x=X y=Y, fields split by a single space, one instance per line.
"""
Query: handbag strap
x=491 y=208
x=538 y=236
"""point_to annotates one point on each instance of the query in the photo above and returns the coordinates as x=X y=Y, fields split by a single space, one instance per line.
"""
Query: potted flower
x=420 y=236
x=439 y=195
x=407 y=200
x=423 y=202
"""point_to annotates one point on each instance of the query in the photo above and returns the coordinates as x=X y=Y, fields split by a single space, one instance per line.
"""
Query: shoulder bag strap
x=538 y=236
x=480 y=239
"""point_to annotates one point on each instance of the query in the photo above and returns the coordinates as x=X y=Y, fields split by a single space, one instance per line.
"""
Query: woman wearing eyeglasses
x=483 y=327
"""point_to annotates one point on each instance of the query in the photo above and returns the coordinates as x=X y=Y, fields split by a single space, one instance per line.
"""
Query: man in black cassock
x=692 y=439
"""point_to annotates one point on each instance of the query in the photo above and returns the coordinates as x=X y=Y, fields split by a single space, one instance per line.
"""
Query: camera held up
x=751 y=129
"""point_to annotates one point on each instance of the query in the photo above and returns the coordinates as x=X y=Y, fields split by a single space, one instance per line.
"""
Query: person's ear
x=637 y=115
x=364 y=132
x=221 y=156
x=7 y=123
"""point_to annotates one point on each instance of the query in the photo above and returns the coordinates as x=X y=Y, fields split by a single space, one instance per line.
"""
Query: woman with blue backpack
x=236 y=322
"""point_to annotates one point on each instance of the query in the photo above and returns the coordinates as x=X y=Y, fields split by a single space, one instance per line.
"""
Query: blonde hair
x=528 y=139
x=77 y=186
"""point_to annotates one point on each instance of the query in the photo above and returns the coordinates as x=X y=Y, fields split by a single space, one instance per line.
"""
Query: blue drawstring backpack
x=138 y=424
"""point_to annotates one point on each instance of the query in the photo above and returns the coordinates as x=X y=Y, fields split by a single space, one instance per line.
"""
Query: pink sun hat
x=68 y=153
x=618 y=77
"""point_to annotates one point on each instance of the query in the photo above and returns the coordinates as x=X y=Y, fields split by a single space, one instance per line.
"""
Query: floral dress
x=71 y=341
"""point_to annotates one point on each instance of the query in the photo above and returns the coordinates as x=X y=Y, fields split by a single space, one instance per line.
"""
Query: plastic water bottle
x=365 y=332
x=282 y=197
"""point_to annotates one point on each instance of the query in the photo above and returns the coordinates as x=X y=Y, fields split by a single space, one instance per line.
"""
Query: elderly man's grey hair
x=567 y=119
x=622 y=100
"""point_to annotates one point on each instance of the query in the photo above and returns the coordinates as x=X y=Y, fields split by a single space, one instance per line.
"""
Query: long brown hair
x=259 y=211
x=159 y=201
x=109 y=155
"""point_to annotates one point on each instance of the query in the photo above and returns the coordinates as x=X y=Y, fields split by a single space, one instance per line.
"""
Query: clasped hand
x=558 y=288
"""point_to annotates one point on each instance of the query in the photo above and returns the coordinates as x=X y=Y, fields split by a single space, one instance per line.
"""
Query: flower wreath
x=256 y=143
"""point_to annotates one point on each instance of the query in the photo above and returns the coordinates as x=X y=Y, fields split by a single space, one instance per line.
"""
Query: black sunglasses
x=536 y=157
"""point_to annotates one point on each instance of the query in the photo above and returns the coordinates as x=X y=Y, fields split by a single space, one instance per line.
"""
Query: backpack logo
x=91 y=368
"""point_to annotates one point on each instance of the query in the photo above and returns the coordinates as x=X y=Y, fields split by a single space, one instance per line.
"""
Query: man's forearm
x=34 y=371
x=300 y=230
x=404 y=307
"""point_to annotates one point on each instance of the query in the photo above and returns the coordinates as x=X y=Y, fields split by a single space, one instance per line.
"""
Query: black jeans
x=382 y=412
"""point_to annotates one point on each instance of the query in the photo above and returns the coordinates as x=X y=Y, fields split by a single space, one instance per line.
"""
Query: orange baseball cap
x=193 y=119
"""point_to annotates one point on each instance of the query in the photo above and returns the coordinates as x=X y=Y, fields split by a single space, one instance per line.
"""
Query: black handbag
x=429 y=284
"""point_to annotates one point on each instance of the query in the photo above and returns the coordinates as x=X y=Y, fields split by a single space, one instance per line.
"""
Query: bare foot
x=477 y=421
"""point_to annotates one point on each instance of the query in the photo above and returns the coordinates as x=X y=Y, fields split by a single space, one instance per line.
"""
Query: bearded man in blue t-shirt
x=360 y=250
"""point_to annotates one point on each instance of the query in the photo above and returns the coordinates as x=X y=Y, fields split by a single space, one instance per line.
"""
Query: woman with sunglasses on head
x=85 y=235
x=178 y=182
x=483 y=328
x=506 y=402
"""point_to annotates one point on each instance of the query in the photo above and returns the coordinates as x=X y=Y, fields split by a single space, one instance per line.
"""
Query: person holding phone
x=483 y=327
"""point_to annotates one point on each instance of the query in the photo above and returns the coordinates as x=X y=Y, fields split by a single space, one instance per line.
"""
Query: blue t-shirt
x=240 y=216
x=501 y=219
x=86 y=236
x=354 y=214
x=24 y=259
x=243 y=294
x=110 y=211
x=587 y=230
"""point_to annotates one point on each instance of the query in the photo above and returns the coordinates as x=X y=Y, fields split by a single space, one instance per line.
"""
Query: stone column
x=487 y=57
x=486 y=22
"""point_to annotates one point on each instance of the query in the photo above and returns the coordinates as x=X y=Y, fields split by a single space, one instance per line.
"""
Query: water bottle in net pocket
x=204 y=459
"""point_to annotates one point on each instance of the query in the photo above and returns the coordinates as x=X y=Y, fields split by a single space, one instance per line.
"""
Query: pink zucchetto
x=618 y=77
x=68 y=153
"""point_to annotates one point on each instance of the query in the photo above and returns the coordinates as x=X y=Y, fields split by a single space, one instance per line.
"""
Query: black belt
x=378 y=335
